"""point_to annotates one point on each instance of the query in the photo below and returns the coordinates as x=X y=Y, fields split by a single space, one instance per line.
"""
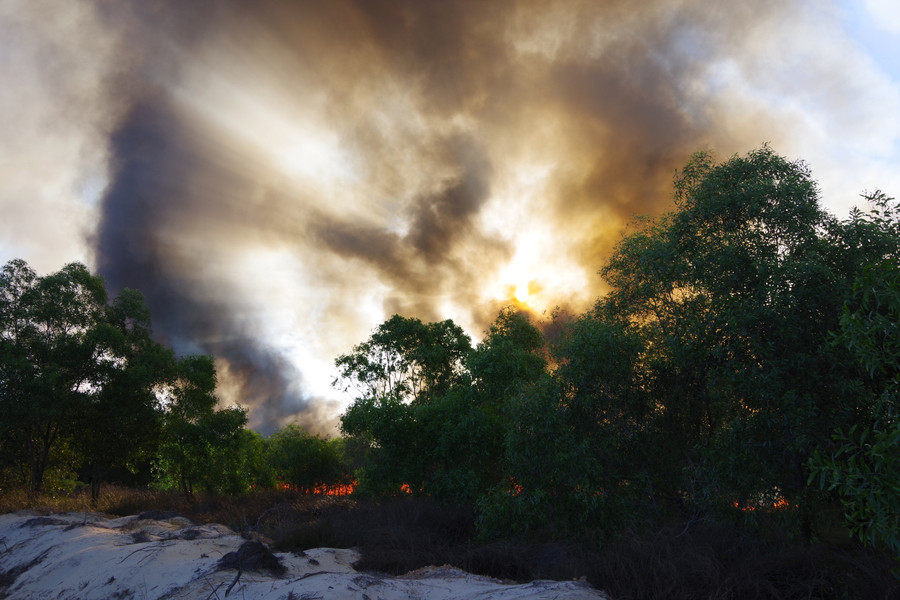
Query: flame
x=779 y=504
x=514 y=488
x=324 y=489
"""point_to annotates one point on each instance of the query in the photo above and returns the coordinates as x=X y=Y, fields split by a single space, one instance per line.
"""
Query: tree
x=48 y=347
x=405 y=359
x=201 y=444
x=431 y=407
x=388 y=427
x=17 y=282
x=510 y=356
x=304 y=461
x=403 y=366
x=703 y=381
x=734 y=294
x=254 y=469
x=574 y=440
x=864 y=467
x=510 y=359
x=82 y=380
x=550 y=484
x=78 y=375
x=121 y=424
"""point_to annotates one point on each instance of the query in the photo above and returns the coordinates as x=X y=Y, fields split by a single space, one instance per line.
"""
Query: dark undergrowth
x=703 y=561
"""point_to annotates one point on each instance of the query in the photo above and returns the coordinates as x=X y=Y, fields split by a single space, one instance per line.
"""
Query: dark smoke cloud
x=445 y=149
x=166 y=195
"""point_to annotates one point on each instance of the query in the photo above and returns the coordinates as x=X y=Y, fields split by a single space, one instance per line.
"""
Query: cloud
x=885 y=13
x=54 y=112
x=283 y=176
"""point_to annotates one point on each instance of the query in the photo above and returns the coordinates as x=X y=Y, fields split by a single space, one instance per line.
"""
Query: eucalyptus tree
x=469 y=426
x=433 y=409
x=863 y=466
x=120 y=426
x=403 y=366
x=405 y=359
x=201 y=444
x=302 y=460
x=734 y=294
x=48 y=352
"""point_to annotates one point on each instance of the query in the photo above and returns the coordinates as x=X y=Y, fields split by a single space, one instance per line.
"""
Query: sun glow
x=272 y=129
x=538 y=274
x=521 y=293
x=315 y=154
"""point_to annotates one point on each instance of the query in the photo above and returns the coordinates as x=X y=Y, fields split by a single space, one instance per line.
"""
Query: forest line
x=743 y=366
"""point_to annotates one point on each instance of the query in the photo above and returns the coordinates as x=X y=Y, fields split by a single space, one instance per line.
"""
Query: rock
x=252 y=556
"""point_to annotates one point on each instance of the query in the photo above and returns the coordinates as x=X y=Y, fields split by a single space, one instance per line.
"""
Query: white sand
x=93 y=557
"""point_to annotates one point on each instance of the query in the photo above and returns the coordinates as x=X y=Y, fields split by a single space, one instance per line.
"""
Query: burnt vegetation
x=721 y=424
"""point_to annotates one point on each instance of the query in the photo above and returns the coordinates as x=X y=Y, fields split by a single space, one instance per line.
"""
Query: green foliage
x=461 y=458
x=302 y=460
x=76 y=372
x=552 y=482
x=864 y=468
x=870 y=329
x=443 y=435
x=734 y=294
x=121 y=425
x=255 y=469
x=601 y=390
x=402 y=368
x=47 y=355
x=405 y=359
x=509 y=357
x=389 y=427
x=573 y=439
x=201 y=445
x=865 y=472
x=86 y=389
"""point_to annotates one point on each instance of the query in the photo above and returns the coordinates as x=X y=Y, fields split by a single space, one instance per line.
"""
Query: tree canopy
x=742 y=367
x=703 y=384
x=85 y=387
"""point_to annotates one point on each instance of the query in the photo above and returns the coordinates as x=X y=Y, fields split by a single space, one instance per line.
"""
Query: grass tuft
x=704 y=561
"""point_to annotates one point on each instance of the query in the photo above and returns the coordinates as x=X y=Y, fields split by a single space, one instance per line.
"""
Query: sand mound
x=167 y=556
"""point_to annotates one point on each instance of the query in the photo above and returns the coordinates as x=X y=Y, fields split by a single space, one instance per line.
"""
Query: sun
x=525 y=294
x=521 y=293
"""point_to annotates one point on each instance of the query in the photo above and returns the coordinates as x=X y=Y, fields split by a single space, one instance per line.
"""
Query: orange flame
x=324 y=489
x=780 y=504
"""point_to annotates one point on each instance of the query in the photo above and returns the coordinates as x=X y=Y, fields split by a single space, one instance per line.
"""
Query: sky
x=278 y=177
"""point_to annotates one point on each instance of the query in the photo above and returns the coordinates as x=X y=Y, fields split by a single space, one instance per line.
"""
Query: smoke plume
x=283 y=175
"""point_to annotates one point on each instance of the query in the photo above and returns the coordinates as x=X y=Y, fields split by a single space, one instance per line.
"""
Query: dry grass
x=113 y=500
x=276 y=514
x=403 y=534
x=715 y=562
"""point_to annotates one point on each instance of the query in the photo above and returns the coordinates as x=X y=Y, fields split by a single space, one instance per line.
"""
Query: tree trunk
x=40 y=455
x=95 y=482
x=37 y=474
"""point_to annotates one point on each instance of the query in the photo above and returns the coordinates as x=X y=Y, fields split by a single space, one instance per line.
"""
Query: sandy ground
x=90 y=556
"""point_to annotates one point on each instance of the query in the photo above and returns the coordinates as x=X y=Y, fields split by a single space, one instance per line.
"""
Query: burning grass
x=704 y=561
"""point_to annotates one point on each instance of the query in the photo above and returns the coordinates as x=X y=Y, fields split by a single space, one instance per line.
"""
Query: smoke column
x=284 y=175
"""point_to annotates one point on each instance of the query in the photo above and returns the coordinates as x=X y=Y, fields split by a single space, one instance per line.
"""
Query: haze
x=278 y=177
